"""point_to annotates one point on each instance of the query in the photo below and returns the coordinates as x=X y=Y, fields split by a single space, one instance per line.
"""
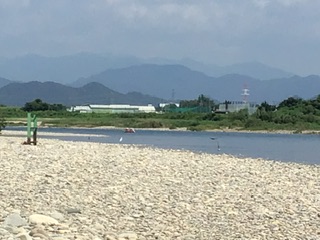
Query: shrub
x=253 y=123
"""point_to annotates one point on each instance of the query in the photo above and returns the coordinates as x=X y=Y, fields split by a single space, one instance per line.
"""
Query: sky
x=279 y=33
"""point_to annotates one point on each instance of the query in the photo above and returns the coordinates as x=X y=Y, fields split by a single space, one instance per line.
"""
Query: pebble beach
x=59 y=190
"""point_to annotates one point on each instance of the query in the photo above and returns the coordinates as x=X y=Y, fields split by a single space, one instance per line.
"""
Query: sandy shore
x=71 y=190
x=42 y=132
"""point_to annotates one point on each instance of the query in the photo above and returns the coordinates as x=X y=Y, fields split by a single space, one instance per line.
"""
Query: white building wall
x=82 y=109
x=147 y=109
x=116 y=107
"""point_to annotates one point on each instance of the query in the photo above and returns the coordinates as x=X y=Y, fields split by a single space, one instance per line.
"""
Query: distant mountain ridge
x=17 y=94
x=154 y=83
x=162 y=80
x=67 y=69
x=157 y=80
x=251 y=69
x=255 y=70
x=4 y=82
x=64 y=69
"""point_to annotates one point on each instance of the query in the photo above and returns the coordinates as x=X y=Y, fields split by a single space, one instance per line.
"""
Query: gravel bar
x=60 y=190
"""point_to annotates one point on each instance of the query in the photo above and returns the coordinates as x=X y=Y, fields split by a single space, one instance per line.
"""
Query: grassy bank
x=190 y=121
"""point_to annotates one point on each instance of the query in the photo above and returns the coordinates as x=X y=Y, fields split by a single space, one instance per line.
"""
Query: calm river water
x=300 y=148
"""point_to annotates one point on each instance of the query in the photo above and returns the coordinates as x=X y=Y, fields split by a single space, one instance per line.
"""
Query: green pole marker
x=34 y=129
x=28 y=128
x=32 y=126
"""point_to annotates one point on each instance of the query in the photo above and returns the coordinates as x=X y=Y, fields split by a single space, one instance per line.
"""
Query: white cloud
x=284 y=3
x=291 y=2
x=261 y=3
x=14 y=3
x=220 y=30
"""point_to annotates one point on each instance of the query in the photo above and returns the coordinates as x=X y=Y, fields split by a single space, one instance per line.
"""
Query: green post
x=32 y=127
x=28 y=128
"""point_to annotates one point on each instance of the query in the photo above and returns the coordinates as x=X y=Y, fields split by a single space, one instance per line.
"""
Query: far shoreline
x=230 y=130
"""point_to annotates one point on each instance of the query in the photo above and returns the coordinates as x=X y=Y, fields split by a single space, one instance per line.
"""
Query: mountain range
x=128 y=80
x=67 y=69
x=17 y=94
x=184 y=83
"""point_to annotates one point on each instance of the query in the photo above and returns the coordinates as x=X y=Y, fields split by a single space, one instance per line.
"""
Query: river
x=300 y=148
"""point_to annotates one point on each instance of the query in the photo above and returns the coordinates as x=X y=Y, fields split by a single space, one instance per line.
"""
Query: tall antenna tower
x=173 y=93
x=245 y=93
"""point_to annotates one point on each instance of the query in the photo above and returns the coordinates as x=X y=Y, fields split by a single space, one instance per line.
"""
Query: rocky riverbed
x=60 y=190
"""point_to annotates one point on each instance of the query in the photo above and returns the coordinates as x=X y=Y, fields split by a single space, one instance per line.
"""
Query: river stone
x=4 y=234
x=128 y=235
x=11 y=229
x=23 y=236
x=57 y=215
x=110 y=236
x=41 y=236
x=38 y=230
x=73 y=210
x=15 y=220
x=42 y=219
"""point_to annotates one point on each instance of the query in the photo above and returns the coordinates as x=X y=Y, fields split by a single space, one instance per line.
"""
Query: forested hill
x=162 y=80
x=151 y=83
x=17 y=94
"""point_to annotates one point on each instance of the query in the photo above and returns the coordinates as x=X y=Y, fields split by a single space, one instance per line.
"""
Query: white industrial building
x=113 y=108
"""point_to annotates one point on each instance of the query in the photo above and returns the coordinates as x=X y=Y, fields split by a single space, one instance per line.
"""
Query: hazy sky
x=280 y=33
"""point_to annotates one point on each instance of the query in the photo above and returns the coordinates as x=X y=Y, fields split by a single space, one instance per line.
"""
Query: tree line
x=292 y=113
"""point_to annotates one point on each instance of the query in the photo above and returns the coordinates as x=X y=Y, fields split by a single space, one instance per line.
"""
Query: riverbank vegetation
x=294 y=114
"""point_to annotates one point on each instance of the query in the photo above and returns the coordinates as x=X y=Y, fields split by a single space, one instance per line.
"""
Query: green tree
x=39 y=105
x=202 y=101
x=36 y=105
x=267 y=107
x=265 y=112
x=290 y=102
x=188 y=103
x=169 y=108
x=241 y=115
x=57 y=107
